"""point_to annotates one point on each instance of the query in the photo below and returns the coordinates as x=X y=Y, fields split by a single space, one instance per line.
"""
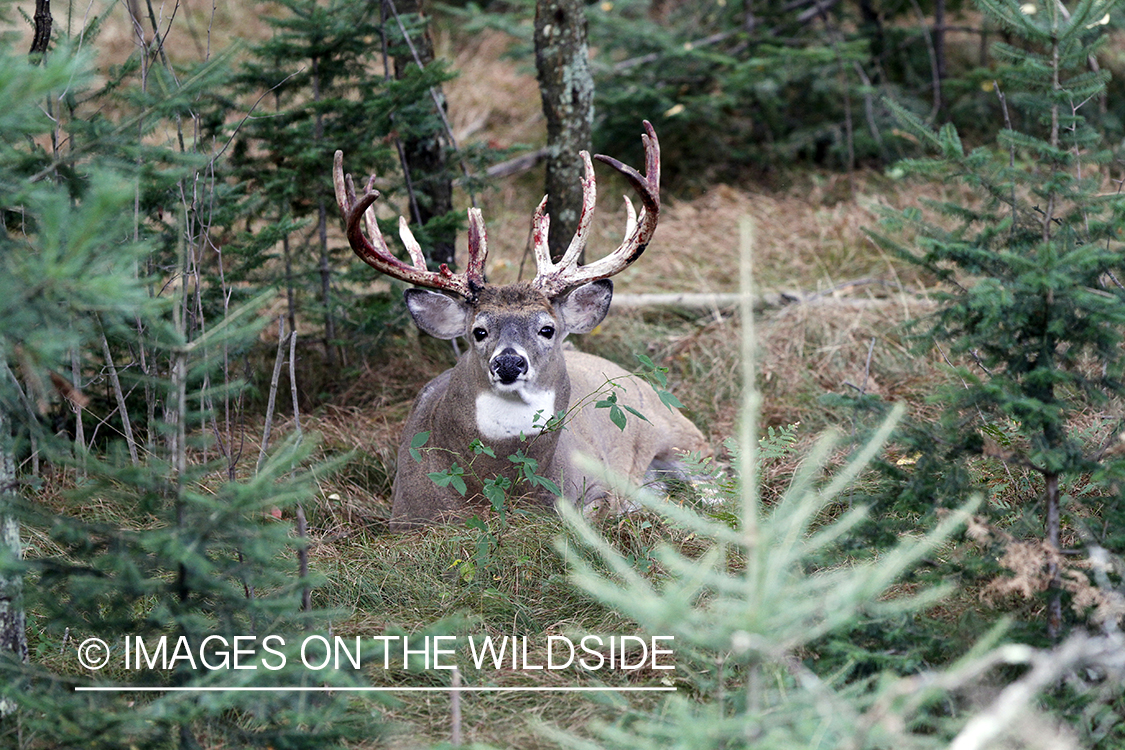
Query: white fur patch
x=508 y=414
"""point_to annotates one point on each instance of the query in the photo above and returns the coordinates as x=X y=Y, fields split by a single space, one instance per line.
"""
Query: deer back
x=645 y=450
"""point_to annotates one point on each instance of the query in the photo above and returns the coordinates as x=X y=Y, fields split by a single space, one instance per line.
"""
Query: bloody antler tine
x=555 y=278
x=589 y=202
x=540 y=232
x=373 y=250
x=478 y=248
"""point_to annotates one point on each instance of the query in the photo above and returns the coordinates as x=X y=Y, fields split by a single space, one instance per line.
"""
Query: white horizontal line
x=470 y=689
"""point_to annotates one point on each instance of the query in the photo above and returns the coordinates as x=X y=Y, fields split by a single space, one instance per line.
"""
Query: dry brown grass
x=493 y=98
x=192 y=30
x=805 y=239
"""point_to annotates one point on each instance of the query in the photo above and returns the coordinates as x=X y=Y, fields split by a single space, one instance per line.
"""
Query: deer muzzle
x=508 y=366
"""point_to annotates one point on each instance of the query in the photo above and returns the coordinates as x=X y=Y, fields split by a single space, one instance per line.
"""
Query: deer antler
x=554 y=278
x=375 y=253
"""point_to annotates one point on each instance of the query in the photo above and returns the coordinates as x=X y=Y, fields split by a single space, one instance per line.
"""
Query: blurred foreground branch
x=1102 y=654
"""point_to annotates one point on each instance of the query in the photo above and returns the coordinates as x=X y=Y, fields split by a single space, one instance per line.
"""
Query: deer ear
x=440 y=315
x=582 y=308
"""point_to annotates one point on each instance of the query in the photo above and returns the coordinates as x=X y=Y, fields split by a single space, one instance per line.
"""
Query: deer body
x=506 y=388
x=518 y=375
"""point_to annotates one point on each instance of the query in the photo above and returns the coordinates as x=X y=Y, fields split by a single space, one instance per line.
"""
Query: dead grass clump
x=397 y=375
x=800 y=243
x=812 y=349
x=1031 y=563
x=805 y=238
x=357 y=495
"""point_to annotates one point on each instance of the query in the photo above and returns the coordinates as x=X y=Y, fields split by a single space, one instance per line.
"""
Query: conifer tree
x=321 y=95
x=745 y=617
x=1032 y=266
x=55 y=274
x=152 y=546
x=741 y=615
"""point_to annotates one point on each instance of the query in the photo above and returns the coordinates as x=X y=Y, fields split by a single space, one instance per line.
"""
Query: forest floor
x=809 y=241
x=846 y=336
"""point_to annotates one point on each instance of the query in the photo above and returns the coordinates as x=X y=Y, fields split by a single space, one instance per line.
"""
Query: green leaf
x=458 y=484
x=417 y=442
x=548 y=485
x=607 y=403
x=635 y=413
x=468 y=571
x=669 y=400
x=495 y=491
x=452 y=477
x=480 y=448
x=527 y=464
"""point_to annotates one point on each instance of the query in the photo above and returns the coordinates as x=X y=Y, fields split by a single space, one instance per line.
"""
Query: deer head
x=517 y=373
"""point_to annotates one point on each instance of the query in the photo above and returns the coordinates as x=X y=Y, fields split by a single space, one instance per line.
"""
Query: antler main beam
x=359 y=214
x=555 y=278
x=551 y=278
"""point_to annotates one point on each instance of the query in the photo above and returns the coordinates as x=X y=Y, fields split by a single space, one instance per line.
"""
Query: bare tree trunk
x=939 y=52
x=322 y=233
x=424 y=157
x=290 y=292
x=1054 y=605
x=13 y=633
x=43 y=23
x=122 y=407
x=567 y=88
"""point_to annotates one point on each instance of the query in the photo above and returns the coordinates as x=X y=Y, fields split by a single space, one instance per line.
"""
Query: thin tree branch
x=119 y=394
x=272 y=399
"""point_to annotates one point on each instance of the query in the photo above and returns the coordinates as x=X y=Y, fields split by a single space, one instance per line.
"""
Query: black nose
x=508 y=366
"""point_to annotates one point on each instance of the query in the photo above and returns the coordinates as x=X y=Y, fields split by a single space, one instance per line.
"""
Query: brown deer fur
x=444 y=410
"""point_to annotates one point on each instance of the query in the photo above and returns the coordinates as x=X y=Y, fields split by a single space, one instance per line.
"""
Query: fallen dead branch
x=769 y=300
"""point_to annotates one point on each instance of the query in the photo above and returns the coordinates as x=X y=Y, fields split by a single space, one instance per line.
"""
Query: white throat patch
x=507 y=415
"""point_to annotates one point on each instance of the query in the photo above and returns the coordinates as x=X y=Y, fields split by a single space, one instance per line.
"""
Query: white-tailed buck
x=518 y=375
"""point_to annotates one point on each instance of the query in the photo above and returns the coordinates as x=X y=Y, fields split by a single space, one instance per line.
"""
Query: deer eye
x=480 y=334
x=547 y=332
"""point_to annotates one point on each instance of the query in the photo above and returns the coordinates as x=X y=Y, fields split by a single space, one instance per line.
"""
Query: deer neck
x=501 y=416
